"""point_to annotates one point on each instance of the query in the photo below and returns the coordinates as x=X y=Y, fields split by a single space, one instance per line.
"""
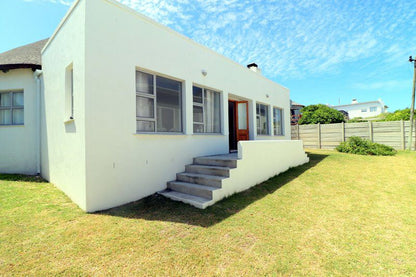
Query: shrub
x=360 y=146
x=314 y=114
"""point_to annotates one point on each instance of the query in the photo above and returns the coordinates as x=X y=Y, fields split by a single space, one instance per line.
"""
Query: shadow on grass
x=159 y=208
x=22 y=178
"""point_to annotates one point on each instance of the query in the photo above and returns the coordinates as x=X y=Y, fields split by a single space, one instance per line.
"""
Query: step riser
x=213 y=162
x=198 y=180
x=192 y=191
x=208 y=171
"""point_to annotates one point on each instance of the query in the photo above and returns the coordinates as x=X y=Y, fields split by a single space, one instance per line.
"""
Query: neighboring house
x=364 y=109
x=295 y=112
x=123 y=104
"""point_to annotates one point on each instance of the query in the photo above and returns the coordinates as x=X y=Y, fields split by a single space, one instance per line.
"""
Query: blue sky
x=324 y=51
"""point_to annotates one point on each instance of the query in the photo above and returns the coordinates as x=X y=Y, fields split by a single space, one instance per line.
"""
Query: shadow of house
x=159 y=208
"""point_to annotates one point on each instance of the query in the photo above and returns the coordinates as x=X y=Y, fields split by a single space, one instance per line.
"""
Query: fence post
x=403 y=140
x=370 y=130
x=319 y=135
x=343 y=131
x=298 y=131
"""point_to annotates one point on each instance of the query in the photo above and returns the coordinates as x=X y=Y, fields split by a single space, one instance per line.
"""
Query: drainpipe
x=37 y=75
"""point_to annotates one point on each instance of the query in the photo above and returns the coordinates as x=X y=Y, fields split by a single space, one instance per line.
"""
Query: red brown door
x=242 y=120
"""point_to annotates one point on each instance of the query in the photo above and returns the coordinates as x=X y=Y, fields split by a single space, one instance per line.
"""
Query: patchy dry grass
x=339 y=215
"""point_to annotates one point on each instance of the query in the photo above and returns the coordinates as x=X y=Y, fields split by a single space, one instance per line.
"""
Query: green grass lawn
x=340 y=214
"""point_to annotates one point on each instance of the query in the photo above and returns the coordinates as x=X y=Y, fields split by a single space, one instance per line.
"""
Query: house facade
x=364 y=109
x=126 y=103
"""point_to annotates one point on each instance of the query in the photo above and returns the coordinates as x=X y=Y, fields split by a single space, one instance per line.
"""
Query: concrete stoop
x=201 y=180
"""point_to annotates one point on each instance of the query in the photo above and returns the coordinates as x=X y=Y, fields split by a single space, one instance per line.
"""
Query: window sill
x=159 y=133
x=208 y=134
x=12 y=125
x=69 y=121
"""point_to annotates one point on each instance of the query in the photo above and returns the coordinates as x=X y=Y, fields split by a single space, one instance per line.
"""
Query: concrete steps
x=201 y=180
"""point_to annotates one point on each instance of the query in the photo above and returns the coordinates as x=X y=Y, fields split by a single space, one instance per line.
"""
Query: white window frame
x=268 y=132
x=12 y=107
x=282 y=126
x=373 y=109
x=364 y=110
x=154 y=97
x=202 y=105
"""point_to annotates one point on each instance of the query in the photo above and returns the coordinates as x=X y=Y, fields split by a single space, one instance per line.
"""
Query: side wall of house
x=63 y=140
x=123 y=166
x=19 y=143
x=356 y=109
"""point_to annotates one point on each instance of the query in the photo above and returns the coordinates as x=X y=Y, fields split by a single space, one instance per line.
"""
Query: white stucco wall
x=122 y=166
x=63 y=141
x=18 y=144
x=259 y=161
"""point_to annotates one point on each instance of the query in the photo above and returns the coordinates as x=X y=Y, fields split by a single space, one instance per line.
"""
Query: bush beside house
x=314 y=114
x=360 y=146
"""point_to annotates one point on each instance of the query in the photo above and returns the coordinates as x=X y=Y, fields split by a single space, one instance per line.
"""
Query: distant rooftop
x=27 y=56
x=293 y=103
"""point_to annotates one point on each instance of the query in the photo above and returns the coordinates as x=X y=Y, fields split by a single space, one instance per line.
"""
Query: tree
x=398 y=115
x=320 y=113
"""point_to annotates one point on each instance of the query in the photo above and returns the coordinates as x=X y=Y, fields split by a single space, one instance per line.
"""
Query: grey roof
x=27 y=56
x=293 y=103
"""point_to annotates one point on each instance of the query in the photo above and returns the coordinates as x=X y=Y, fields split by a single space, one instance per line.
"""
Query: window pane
x=198 y=128
x=262 y=119
x=198 y=114
x=5 y=99
x=5 y=117
x=144 y=82
x=212 y=108
x=18 y=99
x=145 y=107
x=197 y=94
x=18 y=117
x=242 y=116
x=168 y=104
x=277 y=122
x=168 y=84
x=145 y=126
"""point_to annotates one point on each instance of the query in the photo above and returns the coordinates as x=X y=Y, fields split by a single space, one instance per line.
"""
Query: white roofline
x=359 y=103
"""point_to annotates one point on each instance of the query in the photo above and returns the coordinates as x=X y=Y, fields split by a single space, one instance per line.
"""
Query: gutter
x=37 y=75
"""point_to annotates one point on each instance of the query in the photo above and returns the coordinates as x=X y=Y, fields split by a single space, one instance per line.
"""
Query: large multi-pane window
x=11 y=108
x=373 y=109
x=158 y=103
x=277 y=121
x=262 y=116
x=206 y=110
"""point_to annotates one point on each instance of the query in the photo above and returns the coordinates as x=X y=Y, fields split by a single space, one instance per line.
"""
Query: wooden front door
x=238 y=122
x=242 y=120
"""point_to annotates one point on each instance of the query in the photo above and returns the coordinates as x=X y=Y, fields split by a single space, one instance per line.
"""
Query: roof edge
x=61 y=24
x=6 y=67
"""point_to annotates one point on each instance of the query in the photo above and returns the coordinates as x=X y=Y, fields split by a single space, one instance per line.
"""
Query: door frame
x=235 y=116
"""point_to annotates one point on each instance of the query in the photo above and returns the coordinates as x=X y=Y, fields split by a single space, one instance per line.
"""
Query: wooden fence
x=328 y=136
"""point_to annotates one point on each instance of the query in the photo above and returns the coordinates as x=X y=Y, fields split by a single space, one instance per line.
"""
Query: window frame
x=282 y=129
x=268 y=132
x=202 y=105
x=364 y=110
x=12 y=107
x=153 y=96
x=373 y=111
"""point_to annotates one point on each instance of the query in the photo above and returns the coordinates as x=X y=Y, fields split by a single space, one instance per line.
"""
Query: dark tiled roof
x=27 y=56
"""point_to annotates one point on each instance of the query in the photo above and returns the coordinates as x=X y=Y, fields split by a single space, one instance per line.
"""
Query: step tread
x=212 y=177
x=210 y=166
x=230 y=157
x=193 y=185
x=196 y=201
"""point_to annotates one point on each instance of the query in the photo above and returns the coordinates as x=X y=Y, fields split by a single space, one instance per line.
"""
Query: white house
x=364 y=109
x=128 y=107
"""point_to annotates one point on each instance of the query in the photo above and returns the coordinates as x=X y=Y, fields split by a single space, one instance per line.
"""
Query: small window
x=69 y=94
x=262 y=116
x=206 y=110
x=158 y=103
x=12 y=108
x=373 y=109
x=277 y=121
x=364 y=110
